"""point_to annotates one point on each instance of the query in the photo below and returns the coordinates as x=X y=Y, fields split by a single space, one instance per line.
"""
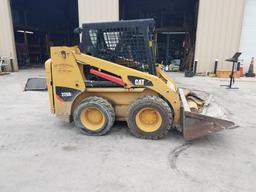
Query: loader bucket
x=195 y=125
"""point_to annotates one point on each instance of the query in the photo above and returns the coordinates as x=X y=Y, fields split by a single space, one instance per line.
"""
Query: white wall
x=98 y=11
x=218 y=32
x=248 y=39
x=7 y=43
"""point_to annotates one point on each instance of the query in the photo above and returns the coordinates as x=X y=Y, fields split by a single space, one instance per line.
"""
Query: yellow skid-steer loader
x=112 y=76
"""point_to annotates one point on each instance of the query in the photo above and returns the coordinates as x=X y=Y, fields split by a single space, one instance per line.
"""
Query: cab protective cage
x=129 y=43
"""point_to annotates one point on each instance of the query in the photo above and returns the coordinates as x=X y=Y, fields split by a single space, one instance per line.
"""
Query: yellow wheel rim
x=148 y=120
x=92 y=118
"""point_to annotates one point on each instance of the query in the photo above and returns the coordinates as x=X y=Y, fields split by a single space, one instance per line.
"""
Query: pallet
x=226 y=74
x=212 y=75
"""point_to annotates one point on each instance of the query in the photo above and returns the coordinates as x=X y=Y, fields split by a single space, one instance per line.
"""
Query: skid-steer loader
x=112 y=76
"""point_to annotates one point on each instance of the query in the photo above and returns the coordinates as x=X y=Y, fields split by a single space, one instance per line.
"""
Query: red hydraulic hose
x=111 y=78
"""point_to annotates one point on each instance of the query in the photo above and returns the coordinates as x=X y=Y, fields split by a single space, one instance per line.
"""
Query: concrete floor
x=39 y=152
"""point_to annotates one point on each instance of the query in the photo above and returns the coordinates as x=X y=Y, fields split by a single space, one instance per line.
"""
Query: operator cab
x=128 y=43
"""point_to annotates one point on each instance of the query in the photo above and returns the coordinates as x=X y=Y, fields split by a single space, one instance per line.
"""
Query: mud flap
x=195 y=125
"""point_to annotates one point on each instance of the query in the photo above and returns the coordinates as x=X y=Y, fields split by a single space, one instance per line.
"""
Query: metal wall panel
x=248 y=39
x=218 y=32
x=7 y=43
x=98 y=10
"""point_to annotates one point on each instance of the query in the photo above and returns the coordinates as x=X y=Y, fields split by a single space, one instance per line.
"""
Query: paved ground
x=39 y=152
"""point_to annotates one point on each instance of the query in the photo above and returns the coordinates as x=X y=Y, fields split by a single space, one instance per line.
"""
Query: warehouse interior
x=41 y=24
x=176 y=23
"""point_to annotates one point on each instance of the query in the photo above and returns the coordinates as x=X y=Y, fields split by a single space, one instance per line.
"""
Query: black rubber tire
x=105 y=107
x=153 y=102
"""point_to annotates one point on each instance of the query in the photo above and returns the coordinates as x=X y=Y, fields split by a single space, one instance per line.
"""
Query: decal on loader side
x=67 y=94
x=137 y=81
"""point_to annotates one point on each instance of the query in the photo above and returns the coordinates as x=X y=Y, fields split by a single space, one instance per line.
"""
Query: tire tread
x=156 y=100
x=107 y=106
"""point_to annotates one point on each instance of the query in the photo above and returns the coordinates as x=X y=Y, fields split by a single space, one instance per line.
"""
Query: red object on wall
x=241 y=70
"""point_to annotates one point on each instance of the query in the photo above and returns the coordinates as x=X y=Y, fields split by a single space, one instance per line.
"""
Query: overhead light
x=28 y=32
x=20 y=31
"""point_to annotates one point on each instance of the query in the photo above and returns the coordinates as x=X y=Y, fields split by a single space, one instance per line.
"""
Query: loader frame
x=66 y=93
x=67 y=88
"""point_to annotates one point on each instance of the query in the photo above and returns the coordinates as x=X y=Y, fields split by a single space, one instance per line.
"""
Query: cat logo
x=139 y=82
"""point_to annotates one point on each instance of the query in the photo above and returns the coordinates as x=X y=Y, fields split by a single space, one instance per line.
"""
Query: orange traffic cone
x=251 y=69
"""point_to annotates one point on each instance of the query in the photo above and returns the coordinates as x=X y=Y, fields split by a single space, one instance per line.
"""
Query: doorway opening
x=38 y=25
x=176 y=24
